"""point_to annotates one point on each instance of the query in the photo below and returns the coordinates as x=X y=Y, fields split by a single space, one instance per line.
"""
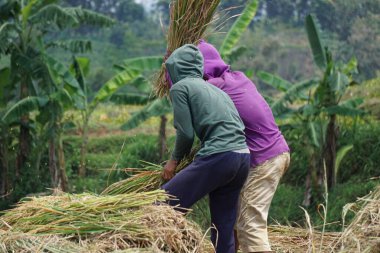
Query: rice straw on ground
x=363 y=234
x=100 y=224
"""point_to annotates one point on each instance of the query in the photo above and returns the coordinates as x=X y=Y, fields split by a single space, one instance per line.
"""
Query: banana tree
x=228 y=50
x=87 y=104
x=154 y=107
x=327 y=97
x=6 y=136
x=298 y=106
x=161 y=107
x=58 y=95
x=321 y=103
x=23 y=29
x=9 y=117
x=5 y=140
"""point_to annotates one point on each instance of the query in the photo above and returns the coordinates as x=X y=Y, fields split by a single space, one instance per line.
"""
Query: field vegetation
x=78 y=113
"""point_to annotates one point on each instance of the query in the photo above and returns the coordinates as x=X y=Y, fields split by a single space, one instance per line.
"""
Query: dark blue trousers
x=221 y=176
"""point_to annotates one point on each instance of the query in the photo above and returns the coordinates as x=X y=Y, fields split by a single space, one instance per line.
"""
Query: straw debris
x=363 y=234
x=292 y=239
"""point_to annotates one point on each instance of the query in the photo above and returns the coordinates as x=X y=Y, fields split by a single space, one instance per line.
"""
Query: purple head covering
x=214 y=66
x=167 y=76
x=168 y=79
x=263 y=137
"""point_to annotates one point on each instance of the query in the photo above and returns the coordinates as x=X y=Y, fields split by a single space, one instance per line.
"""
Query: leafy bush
x=285 y=208
x=362 y=161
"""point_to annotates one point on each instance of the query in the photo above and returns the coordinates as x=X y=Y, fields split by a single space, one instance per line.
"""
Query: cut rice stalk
x=146 y=179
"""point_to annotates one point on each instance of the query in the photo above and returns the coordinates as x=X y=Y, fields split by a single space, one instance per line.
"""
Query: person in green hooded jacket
x=221 y=166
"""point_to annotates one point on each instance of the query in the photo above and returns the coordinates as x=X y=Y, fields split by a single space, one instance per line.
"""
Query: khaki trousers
x=255 y=199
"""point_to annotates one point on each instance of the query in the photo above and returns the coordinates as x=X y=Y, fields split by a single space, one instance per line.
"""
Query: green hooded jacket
x=201 y=108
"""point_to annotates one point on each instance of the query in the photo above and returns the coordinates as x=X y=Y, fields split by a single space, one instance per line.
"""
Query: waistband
x=242 y=151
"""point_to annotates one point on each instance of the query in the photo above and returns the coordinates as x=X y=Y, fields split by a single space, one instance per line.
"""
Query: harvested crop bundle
x=188 y=22
x=100 y=224
x=146 y=179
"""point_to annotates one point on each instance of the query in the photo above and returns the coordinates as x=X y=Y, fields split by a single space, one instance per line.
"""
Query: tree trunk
x=314 y=178
x=83 y=149
x=64 y=182
x=4 y=184
x=24 y=137
x=307 y=195
x=329 y=153
x=24 y=141
x=162 y=137
x=53 y=164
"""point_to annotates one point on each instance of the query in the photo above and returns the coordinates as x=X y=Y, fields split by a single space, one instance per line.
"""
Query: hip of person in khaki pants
x=255 y=199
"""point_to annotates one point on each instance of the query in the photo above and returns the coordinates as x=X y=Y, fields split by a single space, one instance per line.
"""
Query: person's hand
x=169 y=169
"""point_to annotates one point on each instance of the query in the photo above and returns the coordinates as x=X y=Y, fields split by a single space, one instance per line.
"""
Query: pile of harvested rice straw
x=363 y=234
x=189 y=20
x=131 y=223
x=91 y=223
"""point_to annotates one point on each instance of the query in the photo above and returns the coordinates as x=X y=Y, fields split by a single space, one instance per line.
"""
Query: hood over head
x=184 y=62
x=214 y=66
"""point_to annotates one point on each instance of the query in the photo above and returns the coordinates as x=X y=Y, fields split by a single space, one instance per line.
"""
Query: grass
x=107 y=119
x=104 y=164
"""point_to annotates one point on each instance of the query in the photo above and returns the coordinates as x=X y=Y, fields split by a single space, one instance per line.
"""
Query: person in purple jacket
x=268 y=149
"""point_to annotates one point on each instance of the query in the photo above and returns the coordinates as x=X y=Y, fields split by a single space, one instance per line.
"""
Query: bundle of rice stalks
x=94 y=223
x=141 y=180
x=363 y=234
x=146 y=179
x=188 y=22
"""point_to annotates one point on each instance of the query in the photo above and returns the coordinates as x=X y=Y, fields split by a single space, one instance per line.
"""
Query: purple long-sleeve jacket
x=264 y=139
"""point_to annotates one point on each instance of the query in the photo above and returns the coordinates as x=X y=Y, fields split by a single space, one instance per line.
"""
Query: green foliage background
x=275 y=42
